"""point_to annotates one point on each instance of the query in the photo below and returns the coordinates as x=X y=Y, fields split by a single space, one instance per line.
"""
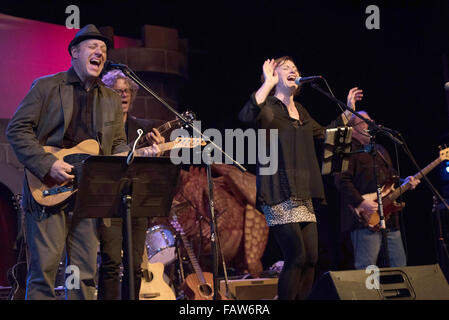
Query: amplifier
x=251 y=289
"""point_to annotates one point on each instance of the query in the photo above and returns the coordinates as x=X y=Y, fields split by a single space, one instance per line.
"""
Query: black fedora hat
x=89 y=31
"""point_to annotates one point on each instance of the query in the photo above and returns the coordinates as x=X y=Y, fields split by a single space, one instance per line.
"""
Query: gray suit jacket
x=44 y=115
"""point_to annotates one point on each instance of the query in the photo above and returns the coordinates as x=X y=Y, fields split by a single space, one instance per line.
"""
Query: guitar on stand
x=153 y=286
x=390 y=194
x=197 y=286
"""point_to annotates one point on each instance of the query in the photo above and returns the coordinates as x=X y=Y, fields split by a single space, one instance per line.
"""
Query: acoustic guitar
x=153 y=286
x=50 y=193
x=197 y=286
x=389 y=194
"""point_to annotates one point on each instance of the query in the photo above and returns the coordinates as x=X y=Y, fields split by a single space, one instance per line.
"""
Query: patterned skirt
x=289 y=211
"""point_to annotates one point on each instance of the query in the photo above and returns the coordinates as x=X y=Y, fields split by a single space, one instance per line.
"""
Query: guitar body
x=37 y=187
x=388 y=208
x=153 y=286
x=196 y=290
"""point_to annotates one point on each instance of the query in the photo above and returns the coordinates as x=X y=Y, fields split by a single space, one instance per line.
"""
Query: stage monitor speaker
x=251 y=289
x=404 y=283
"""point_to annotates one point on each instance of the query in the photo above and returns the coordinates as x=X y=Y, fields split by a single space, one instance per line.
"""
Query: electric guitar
x=172 y=124
x=50 y=193
x=197 y=286
x=389 y=194
x=153 y=286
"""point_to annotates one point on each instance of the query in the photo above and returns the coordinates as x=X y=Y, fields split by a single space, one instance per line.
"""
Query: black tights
x=299 y=246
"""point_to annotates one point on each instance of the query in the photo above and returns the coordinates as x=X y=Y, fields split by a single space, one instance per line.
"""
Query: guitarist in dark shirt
x=110 y=231
x=356 y=209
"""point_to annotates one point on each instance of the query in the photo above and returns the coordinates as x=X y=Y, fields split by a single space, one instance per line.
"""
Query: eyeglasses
x=122 y=91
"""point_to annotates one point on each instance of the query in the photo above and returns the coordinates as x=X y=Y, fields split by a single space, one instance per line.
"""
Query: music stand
x=337 y=147
x=109 y=188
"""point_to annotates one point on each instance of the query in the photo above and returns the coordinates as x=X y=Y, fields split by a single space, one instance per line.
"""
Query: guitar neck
x=166 y=126
x=407 y=185
x=193 y=259
x=163 y=147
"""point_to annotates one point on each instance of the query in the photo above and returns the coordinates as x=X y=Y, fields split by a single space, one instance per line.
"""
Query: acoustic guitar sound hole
x=206 y=290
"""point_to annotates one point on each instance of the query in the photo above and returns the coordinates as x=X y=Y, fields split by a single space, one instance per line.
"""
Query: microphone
x=301 y=80
x=389 y=130
x=109 y=64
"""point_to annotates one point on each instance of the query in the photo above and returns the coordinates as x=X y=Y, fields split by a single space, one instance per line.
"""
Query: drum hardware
x=160 y=245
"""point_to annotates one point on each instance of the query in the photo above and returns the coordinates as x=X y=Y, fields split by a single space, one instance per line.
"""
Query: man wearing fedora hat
x=62 y=110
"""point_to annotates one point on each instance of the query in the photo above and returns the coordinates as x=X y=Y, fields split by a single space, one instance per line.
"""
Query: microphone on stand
x=302 y=80
x=389 y=130
x=109 y=64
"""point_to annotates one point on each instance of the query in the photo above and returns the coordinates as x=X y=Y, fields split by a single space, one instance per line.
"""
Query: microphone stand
x=373 y=130
x=213 y=227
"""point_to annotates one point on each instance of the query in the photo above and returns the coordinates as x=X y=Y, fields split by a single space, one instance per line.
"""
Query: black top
x=359 y=180
x=298 y=173
x=132 y=125
x=81 y=124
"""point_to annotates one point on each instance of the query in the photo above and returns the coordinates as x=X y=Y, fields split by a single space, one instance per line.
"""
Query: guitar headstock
x=189 y=116
x=187 y=142
x=444 y=153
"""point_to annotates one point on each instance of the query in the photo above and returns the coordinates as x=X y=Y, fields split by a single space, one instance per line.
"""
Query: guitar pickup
x=53 y=191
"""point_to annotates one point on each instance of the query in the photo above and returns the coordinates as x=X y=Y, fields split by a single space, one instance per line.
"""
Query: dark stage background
x=401 y=67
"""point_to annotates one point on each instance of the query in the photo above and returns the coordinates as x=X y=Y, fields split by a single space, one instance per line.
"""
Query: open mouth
x=95 y=62
x=291 y=78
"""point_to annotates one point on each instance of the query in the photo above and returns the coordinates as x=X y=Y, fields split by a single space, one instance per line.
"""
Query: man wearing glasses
x=110 y=231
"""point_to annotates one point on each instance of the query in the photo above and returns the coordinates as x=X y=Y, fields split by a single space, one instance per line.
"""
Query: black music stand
x=110 y=188
x=337 y=147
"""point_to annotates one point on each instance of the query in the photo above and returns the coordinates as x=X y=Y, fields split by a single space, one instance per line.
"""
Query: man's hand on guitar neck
x=60 y=170
x=151 y=151
x=154 y=137
x=413 y=181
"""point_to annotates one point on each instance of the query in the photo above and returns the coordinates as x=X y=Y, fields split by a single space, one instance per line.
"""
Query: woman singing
x=285 y=197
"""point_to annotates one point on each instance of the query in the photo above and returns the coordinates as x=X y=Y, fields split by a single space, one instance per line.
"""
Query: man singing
x=63 y=110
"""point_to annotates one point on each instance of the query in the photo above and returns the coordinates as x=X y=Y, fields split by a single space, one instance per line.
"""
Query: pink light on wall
x=30 y=49
x=124 y=42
